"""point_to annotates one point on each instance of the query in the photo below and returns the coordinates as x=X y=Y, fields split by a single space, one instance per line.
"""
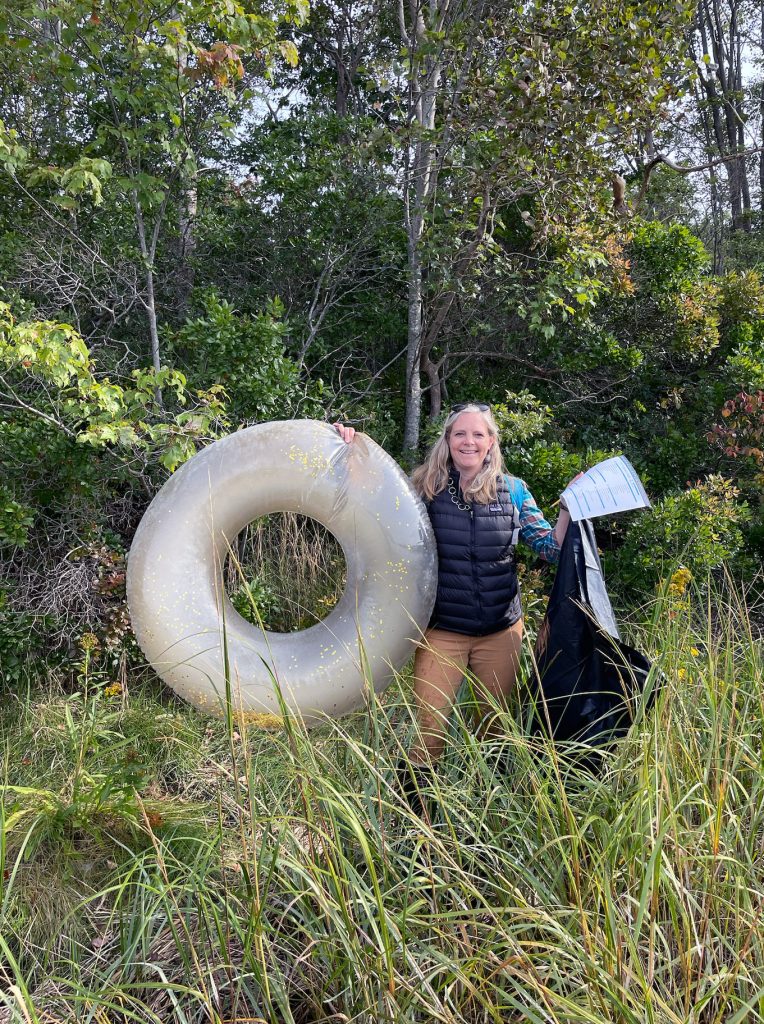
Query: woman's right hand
x=346 y=433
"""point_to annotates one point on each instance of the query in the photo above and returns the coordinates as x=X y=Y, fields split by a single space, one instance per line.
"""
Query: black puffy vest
x=477 y=583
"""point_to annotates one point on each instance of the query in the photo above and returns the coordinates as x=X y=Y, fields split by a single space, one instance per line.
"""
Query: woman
x=477 y=513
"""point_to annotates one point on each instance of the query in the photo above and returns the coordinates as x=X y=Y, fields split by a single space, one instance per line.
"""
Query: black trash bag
x=588 y=682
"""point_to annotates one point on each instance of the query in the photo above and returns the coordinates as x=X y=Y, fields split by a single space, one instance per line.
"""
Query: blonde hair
x=431 y=477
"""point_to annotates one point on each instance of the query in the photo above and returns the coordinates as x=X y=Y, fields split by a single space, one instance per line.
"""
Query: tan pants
x=440 y=663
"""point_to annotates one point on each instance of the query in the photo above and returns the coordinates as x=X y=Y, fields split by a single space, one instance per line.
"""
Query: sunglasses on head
x=461 y=406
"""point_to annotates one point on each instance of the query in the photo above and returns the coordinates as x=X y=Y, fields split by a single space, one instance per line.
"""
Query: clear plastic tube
x=187 y=627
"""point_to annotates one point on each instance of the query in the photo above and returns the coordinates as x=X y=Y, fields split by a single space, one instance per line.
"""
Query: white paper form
x=610 y=486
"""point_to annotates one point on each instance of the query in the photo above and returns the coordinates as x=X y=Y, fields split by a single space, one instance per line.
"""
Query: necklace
x=462 y=505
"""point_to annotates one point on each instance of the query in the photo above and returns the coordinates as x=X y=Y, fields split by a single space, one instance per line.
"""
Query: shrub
x=18 y=642
x=699 y=529
x=521 y=418
x=741 y=435
x=665 y=257
x=79 y=456
x=741 y=308
x=247 y=356
x=678 y=307
x=15 y=520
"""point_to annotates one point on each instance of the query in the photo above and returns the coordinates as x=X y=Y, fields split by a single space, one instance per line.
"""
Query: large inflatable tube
x=187 y=627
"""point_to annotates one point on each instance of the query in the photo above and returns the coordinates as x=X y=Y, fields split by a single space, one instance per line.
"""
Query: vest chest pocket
x=500 y=517
x=494 y=513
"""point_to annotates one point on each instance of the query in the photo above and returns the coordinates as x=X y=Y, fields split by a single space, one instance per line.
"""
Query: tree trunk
x=761 y=129
x=342 y=94
x=149 y=303
x=717 y=217
x=761 y=161
x=186 y=241
x=414 y=330
x=434 y=385
x=717 y=213
x=419 y=175
x=433 y=53
x=740 y=128
x=723 y=88
x=152 y=318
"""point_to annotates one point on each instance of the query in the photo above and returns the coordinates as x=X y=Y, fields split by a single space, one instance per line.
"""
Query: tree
x=345 y=45
x=720 y=29
x=512 y=107
x=146 y=90
x=321 y=197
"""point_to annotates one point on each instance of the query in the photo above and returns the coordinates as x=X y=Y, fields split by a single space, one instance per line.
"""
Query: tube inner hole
x=286 y=572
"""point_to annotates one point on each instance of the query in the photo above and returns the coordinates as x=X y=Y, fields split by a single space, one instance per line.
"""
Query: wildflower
x=679 y=582
x=694 y=652
x=89 y=642
x=681 y=674
x=113 y=690
x=260 y=719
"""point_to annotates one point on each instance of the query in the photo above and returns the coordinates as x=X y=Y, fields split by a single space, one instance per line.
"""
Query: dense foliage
x=186 y=195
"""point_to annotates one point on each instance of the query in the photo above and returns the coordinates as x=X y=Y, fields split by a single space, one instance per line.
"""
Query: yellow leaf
x=288 y=52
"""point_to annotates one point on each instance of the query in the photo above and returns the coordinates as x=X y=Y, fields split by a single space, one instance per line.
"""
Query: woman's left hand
x=563 y=520
x=563 y=506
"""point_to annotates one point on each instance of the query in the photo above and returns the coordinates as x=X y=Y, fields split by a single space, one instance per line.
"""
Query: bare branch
x=689 y=168
x=507 y=356
x=15 y=403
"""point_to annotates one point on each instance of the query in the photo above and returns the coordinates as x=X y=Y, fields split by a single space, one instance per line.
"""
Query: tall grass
x=529 y=890
x=291 y=567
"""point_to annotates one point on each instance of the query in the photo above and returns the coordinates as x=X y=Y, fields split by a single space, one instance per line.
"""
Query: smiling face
x=469 y=442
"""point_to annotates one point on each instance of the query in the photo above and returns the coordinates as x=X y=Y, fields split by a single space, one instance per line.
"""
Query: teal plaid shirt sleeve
x=534 y=529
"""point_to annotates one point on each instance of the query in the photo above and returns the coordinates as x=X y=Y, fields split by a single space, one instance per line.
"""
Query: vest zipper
x=473 y=555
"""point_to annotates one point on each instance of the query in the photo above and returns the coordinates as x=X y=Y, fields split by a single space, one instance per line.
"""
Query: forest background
x=216 y=213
